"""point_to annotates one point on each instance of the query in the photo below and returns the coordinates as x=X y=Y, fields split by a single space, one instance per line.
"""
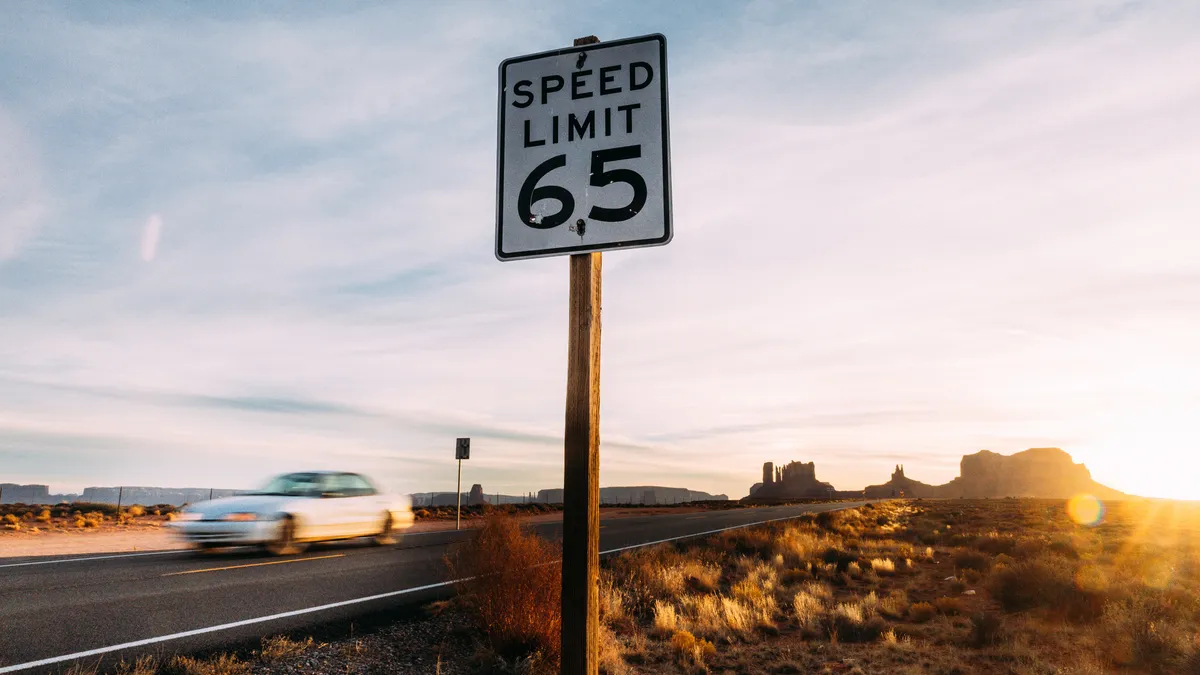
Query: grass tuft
x=515 y=585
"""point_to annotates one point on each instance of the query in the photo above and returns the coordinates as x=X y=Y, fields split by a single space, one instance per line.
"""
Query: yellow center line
x=273 y=562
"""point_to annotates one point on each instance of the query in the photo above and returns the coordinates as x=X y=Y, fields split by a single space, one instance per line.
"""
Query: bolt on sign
x=584 y=157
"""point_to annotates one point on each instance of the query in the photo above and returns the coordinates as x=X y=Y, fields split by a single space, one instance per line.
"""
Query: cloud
x=916 y=231
x=22 y=195
x=150 y=234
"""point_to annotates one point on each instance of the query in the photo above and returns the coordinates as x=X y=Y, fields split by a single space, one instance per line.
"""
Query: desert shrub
x=224 y=664
x=739 y=617
x=690 y=651
x=987 y=629
x=514 y=587
x=281 y=647
x=757 y=592
x=848 y=623
x=920 y=612
x=995 y=544
x=11 y=519
x=28 y=515
x=750 y=541
x=612 y=602
x=894 y=605
x=666 y=619
x=609 y=653
x=971 y=576
x=836 y=556
x=794 y=576
x=103 y=509
x=796 y=544
x=966 y=559
x=144 y=665
x=829 y=520
x=80 y=521
x=1029 y=547
x=806 y=609
x=44 y=516
x=704 y=615
x=1064 y=548
x=1139 y=631
x=135 y=511
x=1045 y=582
x=883 y=566
x=949 y=606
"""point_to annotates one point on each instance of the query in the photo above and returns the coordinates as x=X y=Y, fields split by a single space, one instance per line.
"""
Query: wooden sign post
x=583 y=163
x=581 y=472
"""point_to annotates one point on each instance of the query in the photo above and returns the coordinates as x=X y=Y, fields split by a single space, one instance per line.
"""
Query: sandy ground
x=154 y=537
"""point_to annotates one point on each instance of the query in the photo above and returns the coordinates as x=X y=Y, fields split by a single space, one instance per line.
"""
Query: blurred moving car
x=294 y=510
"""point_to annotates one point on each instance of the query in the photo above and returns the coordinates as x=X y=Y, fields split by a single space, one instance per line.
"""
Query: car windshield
x=294 y=485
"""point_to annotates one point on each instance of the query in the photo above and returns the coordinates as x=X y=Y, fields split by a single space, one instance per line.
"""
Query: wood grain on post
x=581 y=469
x=581 y=466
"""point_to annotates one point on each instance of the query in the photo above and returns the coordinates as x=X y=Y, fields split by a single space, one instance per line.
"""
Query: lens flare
x=1085 y=509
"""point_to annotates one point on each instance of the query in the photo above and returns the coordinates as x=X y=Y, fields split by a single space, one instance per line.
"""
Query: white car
x=294 y=510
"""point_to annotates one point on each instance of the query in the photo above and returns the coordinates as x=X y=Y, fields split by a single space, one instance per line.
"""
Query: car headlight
x=187 y=516
x=240 y=517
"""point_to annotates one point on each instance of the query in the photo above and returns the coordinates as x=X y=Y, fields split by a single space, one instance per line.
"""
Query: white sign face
x=584 y=159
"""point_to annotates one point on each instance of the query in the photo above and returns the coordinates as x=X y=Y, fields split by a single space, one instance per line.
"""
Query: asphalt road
x=57 y=610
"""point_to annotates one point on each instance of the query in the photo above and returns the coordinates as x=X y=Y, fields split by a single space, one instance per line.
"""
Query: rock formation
x=1037 y=472
x=901 y=486
x=476 y=498
x=797 y=480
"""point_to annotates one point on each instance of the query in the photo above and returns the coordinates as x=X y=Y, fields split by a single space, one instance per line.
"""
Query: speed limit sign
x=584 y=158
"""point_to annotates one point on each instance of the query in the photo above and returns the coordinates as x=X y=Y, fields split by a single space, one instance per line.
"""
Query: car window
x=356 y=485
x=294 y=485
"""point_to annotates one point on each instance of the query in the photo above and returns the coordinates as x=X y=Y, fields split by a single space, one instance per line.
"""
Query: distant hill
x=1037 y=472
x=636 y=494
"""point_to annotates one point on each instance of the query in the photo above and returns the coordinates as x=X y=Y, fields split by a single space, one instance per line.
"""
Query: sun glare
x=1085 y=510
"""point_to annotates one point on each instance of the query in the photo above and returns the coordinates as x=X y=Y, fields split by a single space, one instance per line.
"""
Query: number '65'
x=532 y=194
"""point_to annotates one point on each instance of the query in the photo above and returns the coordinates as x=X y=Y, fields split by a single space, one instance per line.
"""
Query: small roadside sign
x=462 y=449
x=583 y=150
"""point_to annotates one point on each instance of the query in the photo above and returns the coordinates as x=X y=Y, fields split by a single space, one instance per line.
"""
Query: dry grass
x=989 y=586
x=282 y=647
x=690 y=651
x=920 y=612
x=609 y=649
x=514 y=588
x=143 y=665
x=223 y=664
x=666 y=619
x=807 y=609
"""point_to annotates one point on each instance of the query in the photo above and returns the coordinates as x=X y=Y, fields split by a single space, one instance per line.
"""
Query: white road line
x=213 y=629
x=96 y=557
x=332 y=605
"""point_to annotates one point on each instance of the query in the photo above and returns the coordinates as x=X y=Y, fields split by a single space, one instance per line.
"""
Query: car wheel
x=285 y=541
x=385 y=536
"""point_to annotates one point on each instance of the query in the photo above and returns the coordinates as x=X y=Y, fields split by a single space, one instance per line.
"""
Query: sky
x=240 y=239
